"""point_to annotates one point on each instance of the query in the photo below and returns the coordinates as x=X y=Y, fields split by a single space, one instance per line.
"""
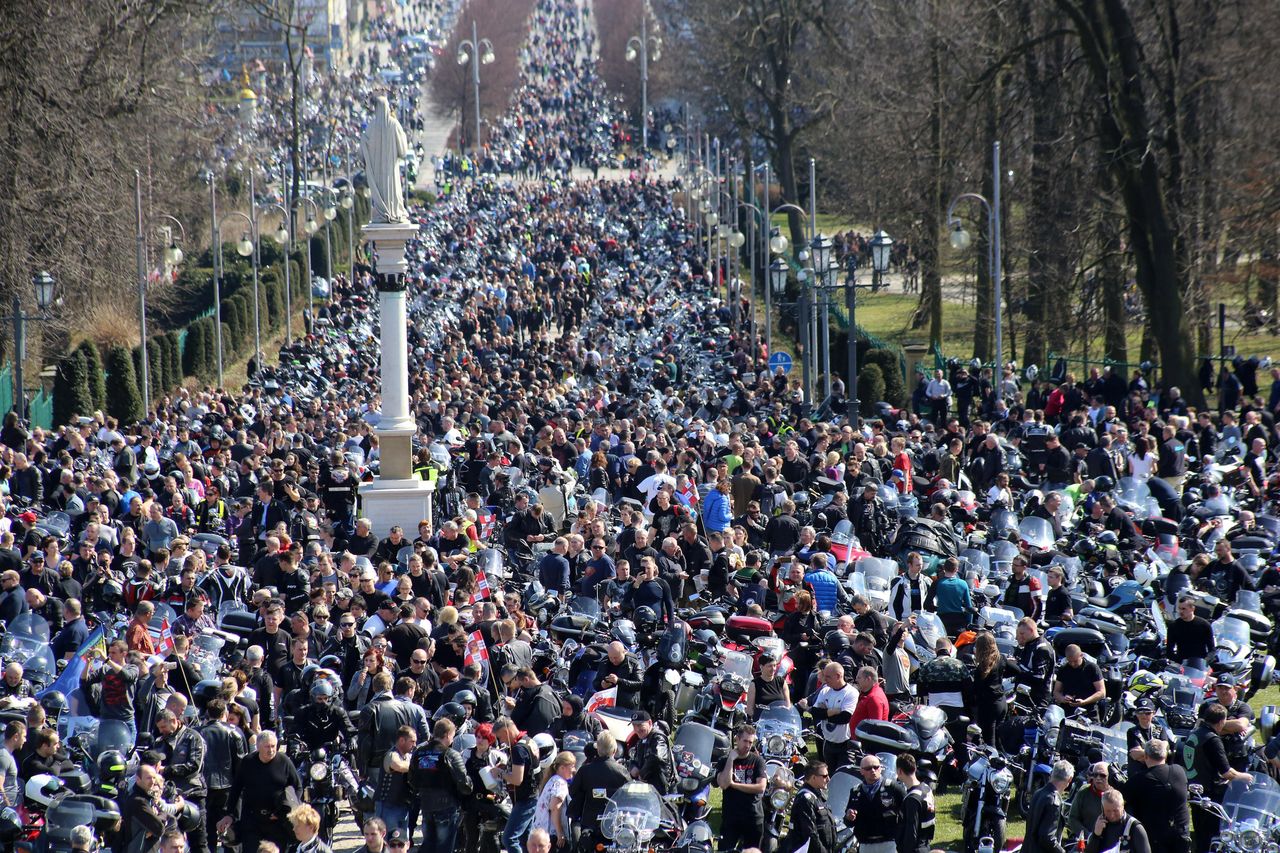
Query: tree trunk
x=1111 y=47
x=983 y=320
x=931 y=225
x=785 y=161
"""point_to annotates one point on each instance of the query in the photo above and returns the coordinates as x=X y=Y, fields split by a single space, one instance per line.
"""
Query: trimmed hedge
x=123 y=400
x=93 y=369
x=870 y=388
x=71 y=395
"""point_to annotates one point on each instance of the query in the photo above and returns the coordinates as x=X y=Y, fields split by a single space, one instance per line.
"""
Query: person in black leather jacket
x=621 y=670
x=379 y=721
x=537 y=706
x=225 y=746
x=1044 y=823
x=599 y=774
x=1033 y=663
x=574 y=719
x=811 y=819
x=323 y=721
x=649 y=754
x=439 y=777
x=184 y=753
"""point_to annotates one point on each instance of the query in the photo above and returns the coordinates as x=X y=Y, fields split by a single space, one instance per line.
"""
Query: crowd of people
x=560 y=332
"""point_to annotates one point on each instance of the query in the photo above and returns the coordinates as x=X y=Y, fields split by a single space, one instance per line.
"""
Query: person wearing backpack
x=439 y=776
x=1116 y=830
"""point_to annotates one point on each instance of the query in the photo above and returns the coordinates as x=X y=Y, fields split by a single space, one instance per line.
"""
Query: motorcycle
x=327 y=779
x=923 y=733
x=781 y=735
x=695 y=749
x=985 y=798
x=844 y=783
x=632 y=818
x=1248 y=814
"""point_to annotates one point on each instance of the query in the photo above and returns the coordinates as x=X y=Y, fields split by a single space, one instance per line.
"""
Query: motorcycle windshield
x=1003 y=551
x=879 y=573
x=1270 y=523
x=778 y=718
x=1070 y=566
x=40 y=667
x=586 y=605
x=695 y=739
x=1131 y=490
x=1157 y=617
x=112 y=734
x=843 y=533
x=1258 y=800
x=929 y=628
x=30 y=626
x=928 y=720
x=1231 y=631
x=1249 y=599
x=840 y=790
x=736 y=663
x=1003 y=521
x=1036 y=532
x=889 y=497
x=634 y=810
x=978 y=561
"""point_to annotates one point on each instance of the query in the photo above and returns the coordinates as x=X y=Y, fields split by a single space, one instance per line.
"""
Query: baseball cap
x=27 y=517
x=641 y=717
x=396 y=838
x=1226 y=680
x=1145 y=705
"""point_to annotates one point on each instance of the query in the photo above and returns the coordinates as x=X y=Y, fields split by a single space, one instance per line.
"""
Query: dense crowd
x=652 y=572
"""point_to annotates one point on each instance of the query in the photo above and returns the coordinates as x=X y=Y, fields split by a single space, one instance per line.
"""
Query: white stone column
x=395 y=497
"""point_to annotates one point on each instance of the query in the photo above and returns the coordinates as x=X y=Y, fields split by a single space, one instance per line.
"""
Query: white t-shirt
x=1140 y=469
x=556 y=787
x=845 y=699
x=652 y=485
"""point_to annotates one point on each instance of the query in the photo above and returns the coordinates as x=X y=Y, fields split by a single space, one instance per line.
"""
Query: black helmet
x=308 y=676
x=1103 y=484
x=54 y=703
x=111 y=594
x=321 y=691
x=453 y=712
x=205 y=691
x=1086 y=547
x=465 y=697
x=111 y=768
x=836 y=642
x=332 y=662
x=624 y=631
x=646 y=618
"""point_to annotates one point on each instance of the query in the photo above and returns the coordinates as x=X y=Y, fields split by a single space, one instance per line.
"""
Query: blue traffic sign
x=780 y=359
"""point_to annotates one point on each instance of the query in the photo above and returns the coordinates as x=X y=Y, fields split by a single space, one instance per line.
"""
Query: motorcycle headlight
x=317 y=771
x=1250 y=839
x=776 y=744
x=1002 y=781
x=779 y=800
x=625 y=837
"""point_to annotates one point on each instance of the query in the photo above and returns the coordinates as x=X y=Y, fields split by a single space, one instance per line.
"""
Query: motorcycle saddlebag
x=570 y=626
x=882 y=735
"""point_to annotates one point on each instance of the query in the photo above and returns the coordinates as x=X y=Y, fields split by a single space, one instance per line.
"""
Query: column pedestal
x=395 y=497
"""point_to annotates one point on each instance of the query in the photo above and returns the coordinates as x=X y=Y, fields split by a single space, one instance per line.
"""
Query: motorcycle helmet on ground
x=646 y=619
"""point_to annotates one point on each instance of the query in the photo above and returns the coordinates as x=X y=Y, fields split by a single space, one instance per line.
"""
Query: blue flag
x=69 y=680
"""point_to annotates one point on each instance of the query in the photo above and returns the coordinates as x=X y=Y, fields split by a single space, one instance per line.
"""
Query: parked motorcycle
x=985 y=798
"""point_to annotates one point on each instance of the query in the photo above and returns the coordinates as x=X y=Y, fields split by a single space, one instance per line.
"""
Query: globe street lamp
x=44 y=286
x=647 y=49
x=468 y=51
x=960 y=240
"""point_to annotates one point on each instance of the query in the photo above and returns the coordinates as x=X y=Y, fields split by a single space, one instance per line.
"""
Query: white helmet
x=42 y=788
x=546 y=745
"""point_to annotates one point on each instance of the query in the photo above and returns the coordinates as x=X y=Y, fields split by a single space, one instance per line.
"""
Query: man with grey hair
x=257 y=803
x=1158 y=798
x=1086 y=806
x=82 y=840
x=592 y=786
x=1115 y=829
x=1044 y=822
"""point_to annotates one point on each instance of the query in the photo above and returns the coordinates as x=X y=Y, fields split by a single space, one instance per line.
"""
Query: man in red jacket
x=872 y=703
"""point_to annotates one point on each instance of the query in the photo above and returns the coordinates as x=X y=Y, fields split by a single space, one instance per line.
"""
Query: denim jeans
x=439 y=829
x=394 y=815
x=522 y=814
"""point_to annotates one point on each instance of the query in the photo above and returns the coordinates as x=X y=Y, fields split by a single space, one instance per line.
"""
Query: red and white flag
x=603 y=699
x=163 y=639
x=477 y=651
x=482 y=588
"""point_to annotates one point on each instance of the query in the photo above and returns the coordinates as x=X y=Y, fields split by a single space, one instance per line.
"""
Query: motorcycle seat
x=1099 y=601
